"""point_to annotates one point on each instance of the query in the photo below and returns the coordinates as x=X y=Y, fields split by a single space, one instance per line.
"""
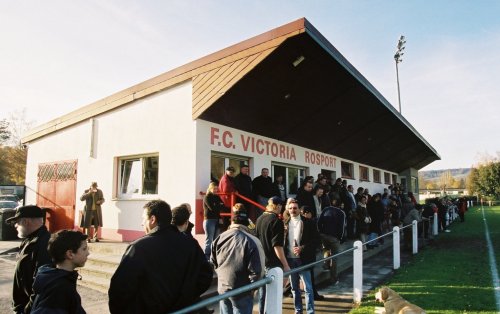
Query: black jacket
x=33 y=254
x=306 y=199
x=309 y=240
x=332 y=222
x=55 y=292
x=213 y=206
x=159 y=273
x=243 y=184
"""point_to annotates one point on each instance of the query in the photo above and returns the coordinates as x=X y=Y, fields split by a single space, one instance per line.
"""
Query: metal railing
x=274 y=277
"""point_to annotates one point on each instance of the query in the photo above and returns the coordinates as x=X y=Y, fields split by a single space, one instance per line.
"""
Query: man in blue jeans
x=301 y=239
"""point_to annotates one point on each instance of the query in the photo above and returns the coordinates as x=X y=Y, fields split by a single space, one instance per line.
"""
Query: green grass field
x=452 y=275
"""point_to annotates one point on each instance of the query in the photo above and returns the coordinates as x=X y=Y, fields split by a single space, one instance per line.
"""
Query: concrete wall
x=160 y=124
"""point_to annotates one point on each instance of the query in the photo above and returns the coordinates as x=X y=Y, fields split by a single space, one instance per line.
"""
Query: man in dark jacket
x=243 y=182
x=305 y=196
x=160 y=272
x=33 y=254
x=331 y=225
x=262 y=187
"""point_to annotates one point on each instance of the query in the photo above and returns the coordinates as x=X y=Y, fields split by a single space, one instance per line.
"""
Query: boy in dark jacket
x=55 y=288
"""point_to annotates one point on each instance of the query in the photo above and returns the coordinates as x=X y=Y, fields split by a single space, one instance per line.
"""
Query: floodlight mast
x=398 y=58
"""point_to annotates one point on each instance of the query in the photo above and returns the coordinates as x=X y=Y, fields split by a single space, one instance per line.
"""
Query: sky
x=57 y=55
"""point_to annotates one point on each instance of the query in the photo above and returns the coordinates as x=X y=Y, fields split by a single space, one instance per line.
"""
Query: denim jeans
x=294 y=281
x=211 y=228
x=240 y=305
x=262 y=296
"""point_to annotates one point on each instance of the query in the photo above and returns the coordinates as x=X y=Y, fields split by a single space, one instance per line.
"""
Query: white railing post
x=396 y=247
x=435 y=225
x=357 y=270
x=414 y=232
x=274 y=291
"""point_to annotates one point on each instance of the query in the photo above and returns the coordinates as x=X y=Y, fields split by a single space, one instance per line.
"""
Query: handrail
x=252 y=286
x=233 y=196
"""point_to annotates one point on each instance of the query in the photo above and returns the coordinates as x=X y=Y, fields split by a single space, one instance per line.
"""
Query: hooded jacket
x=55 y=292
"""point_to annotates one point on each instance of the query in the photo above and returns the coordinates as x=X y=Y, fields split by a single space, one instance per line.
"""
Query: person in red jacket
x=227 y=185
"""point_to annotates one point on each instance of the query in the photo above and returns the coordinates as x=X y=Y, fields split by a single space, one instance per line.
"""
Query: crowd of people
x=167 y=270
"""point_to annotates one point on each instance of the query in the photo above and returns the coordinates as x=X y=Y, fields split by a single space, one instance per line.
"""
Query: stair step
x=95 y=283
x=107 y=247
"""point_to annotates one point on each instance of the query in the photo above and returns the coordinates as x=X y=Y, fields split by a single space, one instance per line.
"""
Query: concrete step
x=103 y=260
x=108 y=247
x=94 y=282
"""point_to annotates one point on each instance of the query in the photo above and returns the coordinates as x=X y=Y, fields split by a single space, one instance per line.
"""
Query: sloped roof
x=322 y=102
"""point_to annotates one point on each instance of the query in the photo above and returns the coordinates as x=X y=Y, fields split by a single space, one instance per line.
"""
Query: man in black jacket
x=161 y=272
x=33 y=254
x=331 y=225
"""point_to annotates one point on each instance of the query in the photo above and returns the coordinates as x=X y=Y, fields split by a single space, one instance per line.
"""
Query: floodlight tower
x=397 y=57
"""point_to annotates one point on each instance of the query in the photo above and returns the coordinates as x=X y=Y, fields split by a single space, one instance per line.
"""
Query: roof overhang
x=306 y=93
x=263 y=86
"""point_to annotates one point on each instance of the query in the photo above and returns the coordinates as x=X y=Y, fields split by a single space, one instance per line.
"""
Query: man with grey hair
x=33 y=253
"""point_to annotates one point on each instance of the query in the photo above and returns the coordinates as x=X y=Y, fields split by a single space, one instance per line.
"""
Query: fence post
x=435 y=225
x=357 y=270
x=274 y=291
x=414 y=231
x=396 y=247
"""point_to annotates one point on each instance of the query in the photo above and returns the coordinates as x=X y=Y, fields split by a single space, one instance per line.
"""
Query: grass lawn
x=452 y=275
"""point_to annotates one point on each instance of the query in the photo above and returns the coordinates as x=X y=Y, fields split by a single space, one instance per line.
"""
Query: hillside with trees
x=444 y=179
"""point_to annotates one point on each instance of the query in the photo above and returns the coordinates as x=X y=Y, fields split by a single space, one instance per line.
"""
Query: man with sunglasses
x=301 y=240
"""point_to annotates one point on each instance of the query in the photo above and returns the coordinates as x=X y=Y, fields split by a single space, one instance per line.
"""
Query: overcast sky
x=57 y=56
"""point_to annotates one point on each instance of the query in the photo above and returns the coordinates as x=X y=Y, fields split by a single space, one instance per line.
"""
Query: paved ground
x=338 y=298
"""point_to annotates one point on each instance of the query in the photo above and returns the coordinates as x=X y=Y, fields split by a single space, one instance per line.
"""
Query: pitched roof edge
x=321 y=40
x=146 y=88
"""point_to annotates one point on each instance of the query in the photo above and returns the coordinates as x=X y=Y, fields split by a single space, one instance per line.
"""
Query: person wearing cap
x=243 y=183
x=271 y=232
x=238 y=258
x=33 y=253
x=227 y=185
x=92 y=212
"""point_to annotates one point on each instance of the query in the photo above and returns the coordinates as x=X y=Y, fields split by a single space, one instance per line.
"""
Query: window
x=387 y=178
x=376 y=176
x=414 y=185
x=364 y=174
x=292 y=177
x=219 y=162
x=347 y=170
x=395 y=179
x=138 y=176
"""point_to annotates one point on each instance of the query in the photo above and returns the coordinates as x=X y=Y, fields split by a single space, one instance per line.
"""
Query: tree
x=485 y=179
x=4 y=131
x=12 y=153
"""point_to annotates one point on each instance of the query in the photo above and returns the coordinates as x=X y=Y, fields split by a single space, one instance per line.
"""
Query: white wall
x=159 y=124
x=216 y=137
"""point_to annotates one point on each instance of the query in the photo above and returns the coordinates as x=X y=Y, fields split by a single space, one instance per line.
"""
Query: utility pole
x=397 y=57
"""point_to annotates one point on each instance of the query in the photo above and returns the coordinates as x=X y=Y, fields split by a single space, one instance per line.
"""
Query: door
x=56 y=192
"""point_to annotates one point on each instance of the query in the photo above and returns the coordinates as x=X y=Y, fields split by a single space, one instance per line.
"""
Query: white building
x=286 y=100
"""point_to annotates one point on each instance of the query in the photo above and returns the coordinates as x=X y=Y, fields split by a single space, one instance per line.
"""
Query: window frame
x=351 y=170
x=149 y=174
x=387 y=178
x=377 y=177
x=364 y=174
